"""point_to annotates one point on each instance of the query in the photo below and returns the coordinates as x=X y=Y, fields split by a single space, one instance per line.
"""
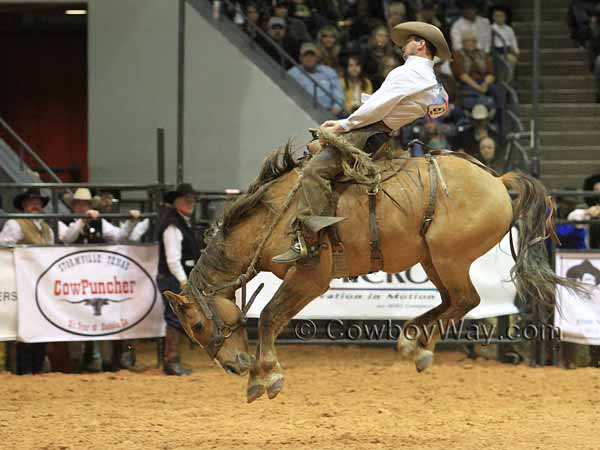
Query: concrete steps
x=574 y=153
x=564 y=110
x=555 y=54
x=570 y=138
x=549 y=82
x=560 y=96
x=549 y=41
x=525 y=68
x=573 y=181
x=566 y=167
x=525 y=14
x=570 y=123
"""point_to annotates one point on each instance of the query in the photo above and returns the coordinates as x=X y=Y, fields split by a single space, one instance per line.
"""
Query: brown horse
x=472 y=215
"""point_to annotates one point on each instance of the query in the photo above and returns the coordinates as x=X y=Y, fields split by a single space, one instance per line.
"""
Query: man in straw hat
x=409 y=92
x=94 y=230
x=88 y=357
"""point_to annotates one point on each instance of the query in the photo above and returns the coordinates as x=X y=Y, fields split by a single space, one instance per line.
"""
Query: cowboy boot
x=171 y=363
x=296 y=252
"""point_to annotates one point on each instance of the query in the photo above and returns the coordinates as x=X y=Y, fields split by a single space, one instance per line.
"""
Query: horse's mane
x=276 y=164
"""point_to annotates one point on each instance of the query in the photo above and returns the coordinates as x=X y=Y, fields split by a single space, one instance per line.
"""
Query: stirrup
x=296 y=252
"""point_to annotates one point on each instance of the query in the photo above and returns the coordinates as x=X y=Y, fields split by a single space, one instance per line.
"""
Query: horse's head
x=216 y=324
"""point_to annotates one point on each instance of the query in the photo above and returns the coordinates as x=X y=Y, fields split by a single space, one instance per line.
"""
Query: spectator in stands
x=504 y=38
x=295 y=27
x=276 y=28
x=29 y=357
x=432 y=134
x=378 y=48
x=354 y=84
x=329 y=47
x=253 y=21
x=396 y=14
x=475 y=72
x=594 y=47
x=487 y=154
x=472 y=23
x=468 y=138
x=427 y=14
x=179 y=251
x=580 y=19
x=324 y=75
x=592 y=183
x=306 y=11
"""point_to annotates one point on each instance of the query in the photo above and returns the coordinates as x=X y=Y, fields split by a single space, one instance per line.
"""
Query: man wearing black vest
x=179 y=251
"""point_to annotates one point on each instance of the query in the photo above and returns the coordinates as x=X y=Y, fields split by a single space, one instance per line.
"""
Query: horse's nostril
x=230 y=368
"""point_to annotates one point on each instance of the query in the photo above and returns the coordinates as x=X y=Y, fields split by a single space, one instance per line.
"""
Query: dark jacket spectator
x=296 y=28
x=277 y=30
x=378 y=49
x=468 y=138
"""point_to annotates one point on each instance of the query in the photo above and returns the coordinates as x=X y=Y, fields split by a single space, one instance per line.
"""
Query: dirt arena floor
x=334 y=398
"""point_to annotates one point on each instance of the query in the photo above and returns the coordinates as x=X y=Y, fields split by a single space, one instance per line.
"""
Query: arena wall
x=235 y=112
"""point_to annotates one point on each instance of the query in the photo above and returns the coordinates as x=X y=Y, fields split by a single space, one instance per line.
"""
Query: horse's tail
x=533 y=213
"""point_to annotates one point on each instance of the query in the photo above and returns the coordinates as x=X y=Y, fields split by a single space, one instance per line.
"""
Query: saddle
x=391 y=161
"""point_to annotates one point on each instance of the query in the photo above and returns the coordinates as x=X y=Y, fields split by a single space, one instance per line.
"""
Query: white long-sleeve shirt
x=409 y=92
x=508 y=34
x=110 y=233
x=11 y=232
x=138 y=230
x=172 y=240
x=480 y=26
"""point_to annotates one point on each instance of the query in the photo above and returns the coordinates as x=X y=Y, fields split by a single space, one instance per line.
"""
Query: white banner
x=8 y=296
x=577 y=318
x=403 y=295
x=88 y=293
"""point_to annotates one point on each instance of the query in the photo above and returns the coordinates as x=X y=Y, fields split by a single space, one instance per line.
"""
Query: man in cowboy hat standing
x=179 y=251
x=30 y=357
x=94 y=230
x=409 y=92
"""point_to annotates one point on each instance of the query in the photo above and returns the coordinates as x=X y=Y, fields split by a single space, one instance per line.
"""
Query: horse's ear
x=177 y=299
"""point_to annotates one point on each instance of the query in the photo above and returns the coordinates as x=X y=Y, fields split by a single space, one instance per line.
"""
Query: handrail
x=285 y=57
x=23 y=146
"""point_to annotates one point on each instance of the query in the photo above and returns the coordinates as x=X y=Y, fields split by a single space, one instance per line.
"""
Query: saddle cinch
x=390 y=160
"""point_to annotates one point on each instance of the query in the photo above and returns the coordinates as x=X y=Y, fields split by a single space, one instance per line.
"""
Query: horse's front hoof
x=424 y=360
x=254 y=392
x=275 y=387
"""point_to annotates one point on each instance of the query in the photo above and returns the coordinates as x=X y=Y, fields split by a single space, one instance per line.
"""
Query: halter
x=221 y=331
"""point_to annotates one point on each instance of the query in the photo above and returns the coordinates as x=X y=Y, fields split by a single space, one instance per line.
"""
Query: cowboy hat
x=83 y=194
x=184 y=189
x=431 y=33
x=26 y=195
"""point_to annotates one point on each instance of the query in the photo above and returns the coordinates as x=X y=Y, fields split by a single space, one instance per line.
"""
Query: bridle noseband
x=221 y=331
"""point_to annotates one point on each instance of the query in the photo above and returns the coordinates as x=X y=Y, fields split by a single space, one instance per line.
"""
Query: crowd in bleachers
x=346 y=48
x=584 y=22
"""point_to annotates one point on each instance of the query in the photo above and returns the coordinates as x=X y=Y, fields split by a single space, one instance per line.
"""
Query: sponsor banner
x=403 y=295
x=578 y=318
x=88 y=293
x=8 y=296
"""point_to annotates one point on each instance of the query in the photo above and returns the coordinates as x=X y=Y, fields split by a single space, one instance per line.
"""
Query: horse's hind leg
x=300 y=286
x=454 y=275
x=418 y=346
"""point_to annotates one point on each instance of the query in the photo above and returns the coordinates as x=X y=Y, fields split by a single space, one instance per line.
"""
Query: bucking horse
x=441 y=211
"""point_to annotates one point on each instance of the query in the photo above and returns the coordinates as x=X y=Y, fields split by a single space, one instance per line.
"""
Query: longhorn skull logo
x=96 y=303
